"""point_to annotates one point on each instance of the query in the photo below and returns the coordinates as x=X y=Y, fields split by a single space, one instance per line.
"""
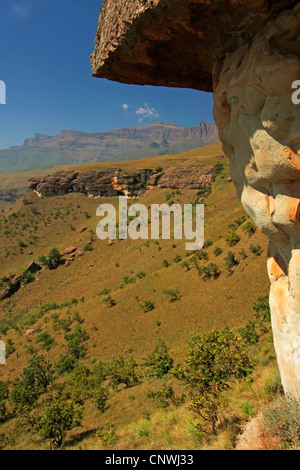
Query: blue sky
x=44 y=61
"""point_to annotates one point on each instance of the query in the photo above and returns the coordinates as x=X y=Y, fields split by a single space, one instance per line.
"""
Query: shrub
x=122 y=372
x=104 y=292
x=205 y=408
x=141 y=275
x=34 y=381
x=256 y=249
x=230 y=261
x=46 y=339
x=159 y=362
x=109 y=301
x=214 y=359
x=165 y=397
x=218 y=251
x=185 y=264
x=128 y=280
x=210 y=271
x=282 y=420
x=248 y=332
x=76 y=339
x=147 y=305
x=64 y=364
x=249 y=228
x=173 y=294
x=243 y=254
x=26 y=277
x=52 y=261
x=262 y=310
x=208 y=243
x=100 y=395
x=59 y=416
x=232 y=238
x=108 y=435
x=88 y=247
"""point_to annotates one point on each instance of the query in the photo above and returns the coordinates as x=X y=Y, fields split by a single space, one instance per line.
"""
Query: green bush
x=230 y=261
x=218 y=251
x=59 y=416
x=232 y=238
x=256 y=249
x=52 y=261
x=249 y=228
x=214 y=359
x=64 y=364
x=159 y=362
x=107 y=435
x=109 y=301
x=122 y=372
x=172 y=294
x=166 y=397
x=248 y=332
x=147 y=305
x=211 y=271
x=46 y=340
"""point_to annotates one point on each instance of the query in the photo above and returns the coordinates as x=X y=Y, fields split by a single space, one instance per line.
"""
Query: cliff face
x=174 y=43
x=114 y=182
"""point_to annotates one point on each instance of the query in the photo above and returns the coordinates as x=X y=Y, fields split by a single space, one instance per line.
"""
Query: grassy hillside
x=17 y=181
x=106 y=290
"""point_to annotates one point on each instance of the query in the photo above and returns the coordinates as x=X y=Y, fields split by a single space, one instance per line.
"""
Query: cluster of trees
x=49 y=399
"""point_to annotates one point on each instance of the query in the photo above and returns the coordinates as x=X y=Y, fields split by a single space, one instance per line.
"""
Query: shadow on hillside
x=73 y=440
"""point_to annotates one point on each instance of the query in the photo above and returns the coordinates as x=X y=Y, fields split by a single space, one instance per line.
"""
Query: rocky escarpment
x=114 y=182
x=132 y=143
x=248 y=54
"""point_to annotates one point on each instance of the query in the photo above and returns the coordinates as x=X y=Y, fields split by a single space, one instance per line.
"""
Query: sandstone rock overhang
x=174 y=43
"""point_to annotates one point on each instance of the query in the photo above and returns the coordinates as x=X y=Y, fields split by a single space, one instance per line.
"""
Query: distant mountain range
x=134 y=143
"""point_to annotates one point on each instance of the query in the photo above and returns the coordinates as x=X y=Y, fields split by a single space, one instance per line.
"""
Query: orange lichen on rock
x=294 y=210
x=277 y=267
x=292 y=157
x=116 y=185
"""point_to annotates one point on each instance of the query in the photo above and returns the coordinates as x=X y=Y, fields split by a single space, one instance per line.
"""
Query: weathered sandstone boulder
x=248 y=54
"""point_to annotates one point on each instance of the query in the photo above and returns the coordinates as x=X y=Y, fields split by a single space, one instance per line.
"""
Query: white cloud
x=146 y=112
x=125 y=106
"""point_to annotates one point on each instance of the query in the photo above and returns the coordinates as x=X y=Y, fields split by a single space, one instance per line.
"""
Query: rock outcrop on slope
x=115 y=182
x=248 y=54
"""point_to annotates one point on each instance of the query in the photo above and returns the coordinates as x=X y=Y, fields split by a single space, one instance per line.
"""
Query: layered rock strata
x=111 y=182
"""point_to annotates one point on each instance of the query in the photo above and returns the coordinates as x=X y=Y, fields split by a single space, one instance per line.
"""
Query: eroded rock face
x=260 y=129
x=174 y=42
x=131 y=182
x=108 y=182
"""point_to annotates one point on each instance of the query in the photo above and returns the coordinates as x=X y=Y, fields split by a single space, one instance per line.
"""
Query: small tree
x=230 y=261
x=123 y=372
x=52 y=261
x=205 y=408
x=59 y=416
x=34 y=381
x=232 y=238
x=159 y=362
x=215 y=358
